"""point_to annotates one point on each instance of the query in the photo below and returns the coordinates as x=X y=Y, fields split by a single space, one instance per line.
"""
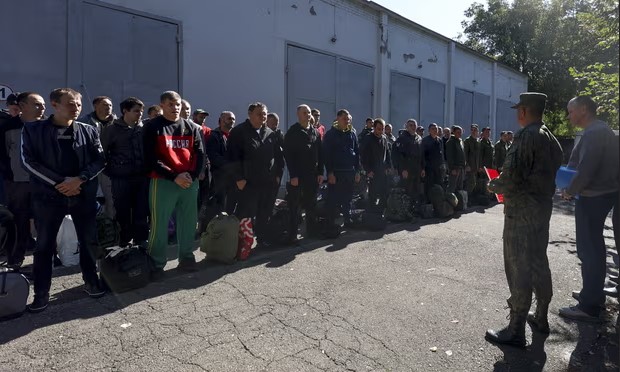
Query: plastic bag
x=67 y=243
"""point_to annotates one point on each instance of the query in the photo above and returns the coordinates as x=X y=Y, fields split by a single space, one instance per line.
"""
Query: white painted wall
x=472 y=72
x=404 y=40
x=234 y=51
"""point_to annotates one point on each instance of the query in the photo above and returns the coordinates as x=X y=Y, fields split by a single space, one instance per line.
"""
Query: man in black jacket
x=222 y=190
x=255 y=158
x=377 y=162
x=433 y=158
x=63 y=157
x=455 y=153
x=410 y=160
x=273 y=123
x=16 y=179
x=303 y=153
x=123 y=148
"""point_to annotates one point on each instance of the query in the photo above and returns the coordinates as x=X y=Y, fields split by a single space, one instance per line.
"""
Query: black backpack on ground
x=108 y=234
x=124 y=269
x=277 y=229
x=14 y=287
x=328 y=230
x=373 y=221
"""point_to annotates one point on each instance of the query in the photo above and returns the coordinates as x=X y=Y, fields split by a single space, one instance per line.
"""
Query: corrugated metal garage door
x=432 y=99
x=328 y=83
x=355 y=90
x=114 y=52
x=481 y=110
x=506 y=117
x=463 y=109
x=28 y=63
x=404 y=99
x=127 y=55
x=470 y=108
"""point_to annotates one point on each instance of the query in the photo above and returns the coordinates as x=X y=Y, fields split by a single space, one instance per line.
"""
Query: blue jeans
x=590 y=215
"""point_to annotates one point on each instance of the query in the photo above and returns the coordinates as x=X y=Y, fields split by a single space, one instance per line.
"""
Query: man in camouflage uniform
x=486 y=149
x=528 y=185
x=472 y=159
x=501 y=147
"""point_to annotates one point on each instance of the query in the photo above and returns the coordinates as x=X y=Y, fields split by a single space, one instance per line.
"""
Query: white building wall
x=417 y=54
x=472 y=72
x=234 y=51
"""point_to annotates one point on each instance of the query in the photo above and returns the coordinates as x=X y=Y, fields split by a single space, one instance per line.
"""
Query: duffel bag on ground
x=463 y=200
x=124 y=269
x=14 y=290
x=426 y=211
x=398 y=206
x=108 y=234
x=328 y=230
x=373 y=221
x=221 y=238
x=443 y=210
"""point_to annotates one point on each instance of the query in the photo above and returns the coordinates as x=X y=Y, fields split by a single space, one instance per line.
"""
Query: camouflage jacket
x=528 y=176
x=472 y=153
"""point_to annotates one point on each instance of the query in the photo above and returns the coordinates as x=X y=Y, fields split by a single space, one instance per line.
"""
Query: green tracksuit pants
x=164 y=198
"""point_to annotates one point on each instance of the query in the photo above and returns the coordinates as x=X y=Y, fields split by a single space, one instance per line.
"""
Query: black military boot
x=513 y=334
x=538 y=319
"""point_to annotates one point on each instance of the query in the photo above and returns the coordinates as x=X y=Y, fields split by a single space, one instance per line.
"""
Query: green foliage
x=566 y=47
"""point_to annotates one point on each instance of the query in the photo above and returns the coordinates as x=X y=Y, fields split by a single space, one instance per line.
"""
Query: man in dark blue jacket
x=409 y=156
x=222 y=190
x=342 y=162
x=64 y=158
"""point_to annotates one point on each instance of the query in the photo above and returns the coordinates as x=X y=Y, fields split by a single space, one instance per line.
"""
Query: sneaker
x=575 y=313
x=39 y=304
x=576 y=294
x=57 y=261
x=94 y=290
x=188 y=265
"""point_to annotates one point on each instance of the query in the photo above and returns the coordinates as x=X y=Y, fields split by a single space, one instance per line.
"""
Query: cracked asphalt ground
x=366 y=301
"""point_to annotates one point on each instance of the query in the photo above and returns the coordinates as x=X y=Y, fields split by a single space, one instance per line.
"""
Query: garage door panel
x=432 y=100
x=311 y=79
x=149 y=58
x=404 y=99
x=481 y=109
x=354 y=90
x=463 y=108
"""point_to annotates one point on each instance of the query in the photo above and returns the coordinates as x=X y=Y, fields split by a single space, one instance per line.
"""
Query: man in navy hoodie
x=342 y=162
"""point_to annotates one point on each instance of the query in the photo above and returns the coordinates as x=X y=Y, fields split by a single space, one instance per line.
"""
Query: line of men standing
x=149 y=169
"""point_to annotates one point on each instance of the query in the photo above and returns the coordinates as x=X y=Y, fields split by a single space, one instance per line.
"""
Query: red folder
x=493 y=174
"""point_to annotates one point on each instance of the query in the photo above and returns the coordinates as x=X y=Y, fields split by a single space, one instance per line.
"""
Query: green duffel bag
x=452 y=199
x=221 y=239
x=436 y=195
x=444 y=210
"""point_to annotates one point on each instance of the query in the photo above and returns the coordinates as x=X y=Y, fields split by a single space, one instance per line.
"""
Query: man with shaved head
x=303 y=154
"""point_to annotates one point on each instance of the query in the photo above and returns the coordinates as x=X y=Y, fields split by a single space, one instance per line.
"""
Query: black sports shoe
x=157 y=274
x=188 y=265
x=94 y=290
x=39 y=304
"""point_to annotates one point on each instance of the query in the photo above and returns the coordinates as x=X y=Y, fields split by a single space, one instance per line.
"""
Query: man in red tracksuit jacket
x=174 y=154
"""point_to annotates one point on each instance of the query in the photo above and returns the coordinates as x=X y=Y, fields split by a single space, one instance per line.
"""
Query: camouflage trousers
x=526 y=235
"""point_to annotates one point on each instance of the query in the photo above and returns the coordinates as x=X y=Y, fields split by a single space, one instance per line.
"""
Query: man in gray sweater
x=595 y=158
